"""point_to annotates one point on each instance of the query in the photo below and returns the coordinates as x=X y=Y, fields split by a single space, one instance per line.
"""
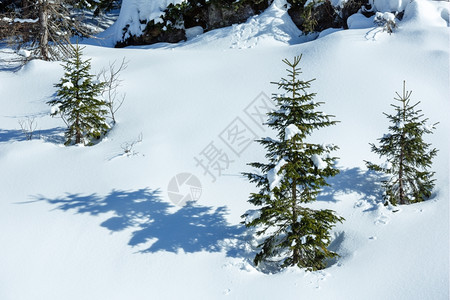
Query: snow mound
x=273 y=24
x=359 y=21
x=417 y=13
x=193 y=32
x=328 y=31
x=421 y=13
x=389 y=5
x=273 y=27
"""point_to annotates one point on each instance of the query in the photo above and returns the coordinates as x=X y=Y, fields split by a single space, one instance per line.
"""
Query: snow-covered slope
x=92 y=223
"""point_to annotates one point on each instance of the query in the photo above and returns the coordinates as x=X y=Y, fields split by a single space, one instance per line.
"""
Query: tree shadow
x=191 y=228
x=51 y=135
x=10 y=61
x=367 y=183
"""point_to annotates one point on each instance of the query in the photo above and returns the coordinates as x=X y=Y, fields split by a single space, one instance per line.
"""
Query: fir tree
x=290 y=234
x=78 y=101
x=408 y=158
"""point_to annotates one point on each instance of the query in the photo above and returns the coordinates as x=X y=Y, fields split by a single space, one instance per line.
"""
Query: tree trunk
x=295 y=255
x=402 y=151
x=43 y=29
x=77 y=131
x=400 y=180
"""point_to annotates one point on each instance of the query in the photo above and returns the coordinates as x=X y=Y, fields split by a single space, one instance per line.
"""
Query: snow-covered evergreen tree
x=289 y=233
x=78 y=101
x=408 y=157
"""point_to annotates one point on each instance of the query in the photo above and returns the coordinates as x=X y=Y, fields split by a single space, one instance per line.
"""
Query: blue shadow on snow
x=192 y=228
x=367 y=183
x=52 y=135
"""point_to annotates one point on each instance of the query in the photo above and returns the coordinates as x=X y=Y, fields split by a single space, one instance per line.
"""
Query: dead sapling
x=28 y=127
x=111 y=78
x=128 y=147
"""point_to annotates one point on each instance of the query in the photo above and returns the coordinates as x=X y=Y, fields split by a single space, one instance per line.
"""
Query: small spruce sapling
x=408 y=157
x=288 y=232
x=78 y=102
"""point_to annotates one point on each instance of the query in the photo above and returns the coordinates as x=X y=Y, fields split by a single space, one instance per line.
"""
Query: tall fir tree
x=78 y=101
x=288 y=233
x=408 y=156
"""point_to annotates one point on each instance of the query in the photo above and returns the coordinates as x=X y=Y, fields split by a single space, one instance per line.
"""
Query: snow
x=400 y=125
x=24 y=53
x=389 y=5
x=303 y=239
x=328 y=31
x=193 y=32
x=91 y=223
x=359 y=21
x=18 y=20
x=426 y=13
x=81 y=81
x=318 y=162
x=135 y=14
x=68 y=85
x=387 y=16
x=290 y=131
x=386 y=165
x=275 y=23
x=273 y=177
x=55 y=109
x=252 y=214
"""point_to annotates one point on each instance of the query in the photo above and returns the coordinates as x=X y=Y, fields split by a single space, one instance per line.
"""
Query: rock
x=222 y=16
x=155 y=35
x=352 y=7
x=323 y=15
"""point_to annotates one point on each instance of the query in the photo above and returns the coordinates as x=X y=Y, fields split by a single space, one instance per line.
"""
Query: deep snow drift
x=92 y=223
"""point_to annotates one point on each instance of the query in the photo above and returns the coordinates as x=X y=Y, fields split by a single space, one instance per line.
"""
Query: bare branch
x=28 y=126
x=128 y=147
x=111 y=78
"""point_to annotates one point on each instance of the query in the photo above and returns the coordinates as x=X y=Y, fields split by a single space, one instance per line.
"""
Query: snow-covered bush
x=386 y=20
